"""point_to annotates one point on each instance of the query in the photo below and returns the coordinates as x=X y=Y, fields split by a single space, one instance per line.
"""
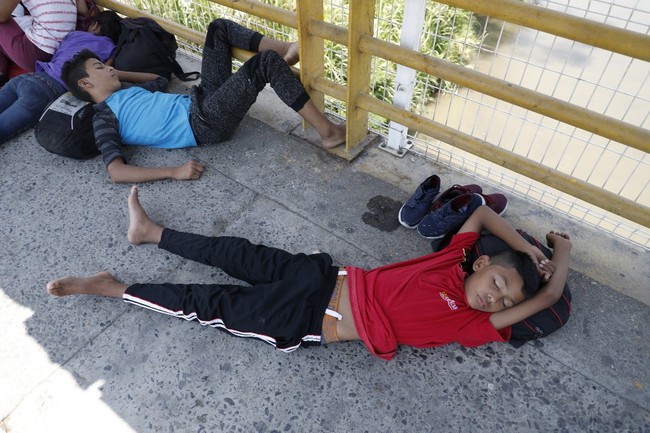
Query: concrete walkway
x=83 y=364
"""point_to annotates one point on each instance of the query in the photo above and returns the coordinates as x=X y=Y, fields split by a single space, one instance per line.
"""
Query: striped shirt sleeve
x=107 y=134
x=52 y=20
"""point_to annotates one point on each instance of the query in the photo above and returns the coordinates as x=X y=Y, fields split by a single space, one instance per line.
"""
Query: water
x=601 y=81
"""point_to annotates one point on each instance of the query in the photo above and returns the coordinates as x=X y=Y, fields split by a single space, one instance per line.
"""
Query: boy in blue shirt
x=145 y=116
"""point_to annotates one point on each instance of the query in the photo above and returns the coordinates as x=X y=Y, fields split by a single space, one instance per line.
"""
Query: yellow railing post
x=360 y=24
x=312 y=50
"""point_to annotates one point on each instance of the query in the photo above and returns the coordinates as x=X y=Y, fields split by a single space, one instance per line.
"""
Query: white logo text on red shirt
x=450 y=302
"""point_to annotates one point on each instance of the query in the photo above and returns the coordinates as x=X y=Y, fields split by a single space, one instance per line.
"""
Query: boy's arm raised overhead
x=554 y=272
x=550 y=292
x=485 y=218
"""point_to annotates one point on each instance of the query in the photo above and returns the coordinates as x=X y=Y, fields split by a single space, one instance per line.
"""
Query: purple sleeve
x=71 y=45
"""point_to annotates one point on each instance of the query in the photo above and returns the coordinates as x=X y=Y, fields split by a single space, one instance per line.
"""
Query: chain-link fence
x=599 y=80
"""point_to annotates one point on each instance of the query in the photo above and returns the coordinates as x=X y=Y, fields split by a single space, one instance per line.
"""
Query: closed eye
x=506 y=302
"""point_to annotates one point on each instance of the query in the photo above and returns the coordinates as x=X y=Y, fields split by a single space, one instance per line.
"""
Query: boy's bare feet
x=288 y=50
x=102 y=284
x=334 y=137
x=142 y=230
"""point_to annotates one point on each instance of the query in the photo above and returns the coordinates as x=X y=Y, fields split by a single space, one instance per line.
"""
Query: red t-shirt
x=419 y=302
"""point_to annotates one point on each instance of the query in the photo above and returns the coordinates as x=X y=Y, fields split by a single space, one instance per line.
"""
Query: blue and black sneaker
x=450 y=216
x=420 y=202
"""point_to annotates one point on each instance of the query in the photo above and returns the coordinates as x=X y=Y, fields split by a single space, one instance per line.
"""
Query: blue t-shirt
x=152 y=119
x=103 y=46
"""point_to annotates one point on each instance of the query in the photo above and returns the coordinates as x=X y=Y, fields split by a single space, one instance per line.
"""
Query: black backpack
x=538 y=325
x=66 y=128
x=144 y=46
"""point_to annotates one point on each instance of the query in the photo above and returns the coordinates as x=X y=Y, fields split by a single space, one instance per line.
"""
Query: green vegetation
x=449 y=34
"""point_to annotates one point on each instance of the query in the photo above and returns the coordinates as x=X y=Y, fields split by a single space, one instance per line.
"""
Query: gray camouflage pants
x=222 y=99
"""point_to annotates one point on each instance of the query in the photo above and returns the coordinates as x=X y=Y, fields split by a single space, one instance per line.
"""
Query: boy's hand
x=554 y=240
x=191 y=170
x=545 y=266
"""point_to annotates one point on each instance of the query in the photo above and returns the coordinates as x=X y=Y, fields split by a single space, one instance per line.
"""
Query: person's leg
x=285 y=313
x=142 y=229
x=227 y=307
x=254 y=264
x=8 y=97
x=17 y=48
x=101 y=284
x=273 y=313
x=269 y=312
x=216 y=116
x=222 y=36
x=22 y=101
x=11 y=113
x=331 y=134
x=288 y=50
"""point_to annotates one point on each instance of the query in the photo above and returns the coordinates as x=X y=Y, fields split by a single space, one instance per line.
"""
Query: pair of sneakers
x=434 y=217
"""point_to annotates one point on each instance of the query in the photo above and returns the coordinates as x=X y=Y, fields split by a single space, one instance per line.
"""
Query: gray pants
x=222 y=99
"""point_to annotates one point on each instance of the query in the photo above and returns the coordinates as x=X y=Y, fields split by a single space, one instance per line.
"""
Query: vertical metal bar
x=361 y=20
x=405 y=80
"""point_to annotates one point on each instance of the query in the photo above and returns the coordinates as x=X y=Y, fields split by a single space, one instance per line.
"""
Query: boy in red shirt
x=298 y=299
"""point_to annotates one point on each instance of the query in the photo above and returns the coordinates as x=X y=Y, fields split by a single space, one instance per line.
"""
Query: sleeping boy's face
x=493 y=288
x=101 y=76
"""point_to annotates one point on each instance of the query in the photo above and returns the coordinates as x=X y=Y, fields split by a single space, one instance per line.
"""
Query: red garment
x=419 y=302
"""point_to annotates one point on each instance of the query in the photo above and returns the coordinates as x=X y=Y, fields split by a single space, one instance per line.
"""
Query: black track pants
x=284 y=304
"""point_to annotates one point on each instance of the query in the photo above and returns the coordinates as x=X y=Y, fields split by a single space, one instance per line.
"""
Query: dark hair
x=524 y=265
x=109 y=25
x=74 y=70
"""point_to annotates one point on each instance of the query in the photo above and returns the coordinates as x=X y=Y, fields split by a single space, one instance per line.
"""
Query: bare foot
x=292 y=56
x=103 y=284
x=142 y=229
x=334 y=137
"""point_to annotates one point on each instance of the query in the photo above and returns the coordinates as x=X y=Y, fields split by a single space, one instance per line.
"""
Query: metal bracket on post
x=398 y=142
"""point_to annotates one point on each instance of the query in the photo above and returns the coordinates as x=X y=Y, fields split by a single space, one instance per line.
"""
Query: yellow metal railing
x=362 y=46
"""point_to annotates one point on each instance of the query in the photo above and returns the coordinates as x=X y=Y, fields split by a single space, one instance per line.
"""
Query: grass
x=449 y=33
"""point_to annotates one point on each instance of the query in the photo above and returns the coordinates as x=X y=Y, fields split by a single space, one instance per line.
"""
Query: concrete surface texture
x=87 y=364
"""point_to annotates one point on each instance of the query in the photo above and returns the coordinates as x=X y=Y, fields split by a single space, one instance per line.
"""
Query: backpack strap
x=182 y=75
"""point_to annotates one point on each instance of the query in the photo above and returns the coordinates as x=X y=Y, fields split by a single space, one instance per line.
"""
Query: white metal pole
x=405 y=81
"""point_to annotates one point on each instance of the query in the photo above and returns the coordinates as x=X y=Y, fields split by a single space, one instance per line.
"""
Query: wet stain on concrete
x=383 y=213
